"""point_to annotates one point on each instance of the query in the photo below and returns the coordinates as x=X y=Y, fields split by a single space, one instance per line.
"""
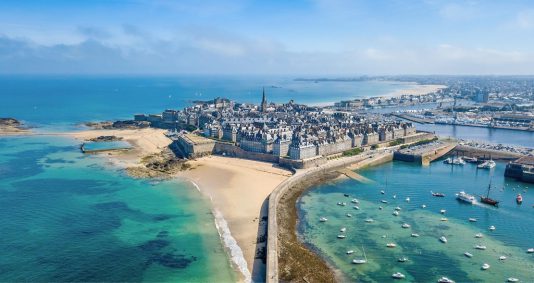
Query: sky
x=291 y=37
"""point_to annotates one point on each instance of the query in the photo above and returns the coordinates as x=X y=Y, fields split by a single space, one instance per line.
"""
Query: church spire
x=263 y=107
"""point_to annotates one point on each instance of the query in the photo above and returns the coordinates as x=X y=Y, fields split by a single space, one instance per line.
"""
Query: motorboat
x=396 y=213
x=342 y=230
x=454 y=161
x=369 y=220
x=390 y=245
x=488 y=164
x=406 y=226
x=480 y=247
x=439 y=195
x=355 y=200
x=423 y=206
x=444 y=219
x=349 y=215
x=384 y=236
x=442 y=211
x=485 y=266
x=346 y=195
x=341 y=203
x=443 y=239
x=468 y=254
x=350 y=252
x=402 y=259
x=519 y=199
x=512 y=279
x=415 y=235
x=394 y=196
x=408 y=199
x=323 y=219
x=398 y=208
x=465 y=197
x=384 y=201
x=502 y=257
x=470 y=159
x=380 y=208
x=445 y=280
x=492 y=228
x=472 y=220
x=531 y=250
x=341 y=236
x=478 y=235
x=398 y=275
x=356 y=207
x=382 y=192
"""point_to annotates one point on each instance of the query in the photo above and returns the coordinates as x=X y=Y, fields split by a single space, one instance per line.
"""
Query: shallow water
x=66 y=216
x=428 y=258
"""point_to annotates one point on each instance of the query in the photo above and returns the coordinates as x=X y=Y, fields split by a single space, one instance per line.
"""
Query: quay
x=355 y=176
x=424 y=154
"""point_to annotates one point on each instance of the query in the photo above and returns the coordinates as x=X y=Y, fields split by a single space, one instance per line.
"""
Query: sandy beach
x=417 y=90
x=239 y=189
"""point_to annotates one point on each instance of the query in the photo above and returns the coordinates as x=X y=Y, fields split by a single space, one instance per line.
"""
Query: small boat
x=439 y=195
x=480 y=247
x=470 y=159
x=492 y=228
x=394 y=196
x=350 y=252
x=398 y=208
x=465 y=197
x=398 y=275
x=442 y=211
x=360 y=260
x=356 y=207
x=423 y=206
x=487 y=200
x=390 y=245
x=512 y=279
x=519 y=199
x=384 y=201
x=355 y=200
x=488 y=164
x=349 y=215
x=444 y=219
x=502 y=257
x=380 y=208
x=341 y=236
x=382 y=192
x=415 y=235
x=472 y=220
x=396 y=213
x=402 y=259
x=408 y=199
x=406 y=226
x=369 y=220
x=342 y=230
x=384 y=236
x=478 y=235
x=445 y=280
x=443 y=239
x=468 y=254
x=323 y=219
x=341 y=203
x=346 y=195
x=485 y=266
x=531 y=250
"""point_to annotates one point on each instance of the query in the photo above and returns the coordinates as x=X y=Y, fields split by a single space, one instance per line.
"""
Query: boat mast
x=364 y=256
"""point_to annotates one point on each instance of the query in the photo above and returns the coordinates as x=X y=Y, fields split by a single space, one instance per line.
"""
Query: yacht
x=398 y=275
x=470 y=159
x=396 y=213
x=492 y=228
x=323 y=219
x=485 y=266
x=512 y=279
x=465 y=197
x=415 y=235
x=531 y=250
x=443 y=239
x=480 y=247
x=478 y=235
x=406 y=225
x=472 y=220
x=390 y=245
x=445 y=280
x=486 y=164
x=468 y=254
x=341 y=236
x=360 y=260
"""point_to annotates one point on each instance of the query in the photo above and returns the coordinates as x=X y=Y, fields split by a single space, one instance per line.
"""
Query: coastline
x=416 y=90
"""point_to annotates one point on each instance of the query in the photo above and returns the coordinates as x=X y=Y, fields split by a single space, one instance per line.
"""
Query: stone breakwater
x=282 y=220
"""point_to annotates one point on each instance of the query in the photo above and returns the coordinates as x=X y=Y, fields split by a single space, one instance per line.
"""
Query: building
x=521 y=169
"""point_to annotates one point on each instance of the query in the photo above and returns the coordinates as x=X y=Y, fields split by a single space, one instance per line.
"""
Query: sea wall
x=370 y=159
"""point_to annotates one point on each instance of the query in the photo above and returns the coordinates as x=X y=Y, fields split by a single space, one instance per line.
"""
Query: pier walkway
x=355 y=176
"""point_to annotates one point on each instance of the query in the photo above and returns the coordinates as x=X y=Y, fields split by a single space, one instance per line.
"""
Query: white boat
x=382 y=192
x=443 y=239
x=465 y=197
x=356 y=207
x=492 y=228
x=478 y=235
x=380 y=208
x=355 y=201
x=396 y=213
x=402 y=259
x=480 y=247
x=415 y=235
x=398 y=275
x=350 y=252
x=423 y=206
x=512 y=279
x=485 y=266
x=502 y=257
x=444 y=219
x=445 y=280
x=531 y=250
x=394 y=196
x=390 y=245
x=486 y=164
x=341 y=203
x=472 y=220
x=341 y=236
x=349 y=215
x=398 y=208
x=323 y=219
x=408 y=199
x=406 y=225
x=342 y=230
x=442 y=211
x=468 y=254
x=360 y=260
x=369 y=220
x=384 y=201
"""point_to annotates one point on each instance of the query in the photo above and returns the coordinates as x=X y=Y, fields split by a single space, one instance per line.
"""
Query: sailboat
x=360 y=260
x=487 y=199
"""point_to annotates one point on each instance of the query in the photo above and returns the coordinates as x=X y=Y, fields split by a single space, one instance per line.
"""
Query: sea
x=66 y=216
x=428 y=259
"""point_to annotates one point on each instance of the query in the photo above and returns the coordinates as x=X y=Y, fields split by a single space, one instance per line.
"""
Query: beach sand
x=146 y=141
x=417 y=90
x=239 y=190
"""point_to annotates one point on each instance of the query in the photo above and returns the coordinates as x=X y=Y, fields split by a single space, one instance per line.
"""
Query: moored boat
x=445 y=280
x=323 y=219
x=488 y=164
x=472 y=220
x=350 y=252
x=406 y=225
x=478 y=235
x=443 y=239
x=439 y=195
x=342 y=230
x=390 y=245
x=512 y=279
x=485 y=266
x=396 y=213
x=341 y=236
x=402 y=259
x=480 y=247
x=415 y=235
x=531 y=250
x=492 y=228
x=398 y=275
x=468 y=254
x=355 y=200
x=519 y=199
x=369 y=220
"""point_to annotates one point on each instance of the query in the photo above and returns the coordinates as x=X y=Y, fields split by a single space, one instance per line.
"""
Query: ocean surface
x=428 y=258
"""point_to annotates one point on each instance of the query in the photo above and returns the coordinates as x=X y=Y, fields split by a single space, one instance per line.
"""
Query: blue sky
x=301 y=37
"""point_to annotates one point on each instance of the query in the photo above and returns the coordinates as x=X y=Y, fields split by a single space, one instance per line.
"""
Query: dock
x=355 y=176
x=424 y=154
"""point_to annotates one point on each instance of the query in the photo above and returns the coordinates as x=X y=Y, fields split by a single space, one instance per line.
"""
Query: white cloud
x=525 y=19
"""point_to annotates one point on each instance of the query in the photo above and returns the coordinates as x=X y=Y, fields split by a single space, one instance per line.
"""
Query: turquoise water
x=66 y=216
x=106 y=145
x=428 y=258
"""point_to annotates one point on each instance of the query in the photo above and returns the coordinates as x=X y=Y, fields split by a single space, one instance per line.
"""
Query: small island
x=12 y=126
